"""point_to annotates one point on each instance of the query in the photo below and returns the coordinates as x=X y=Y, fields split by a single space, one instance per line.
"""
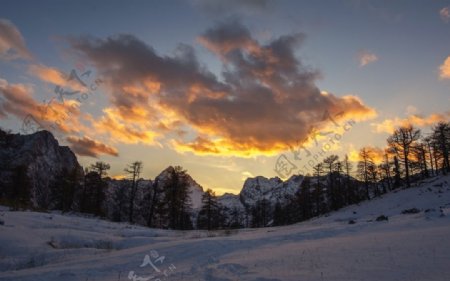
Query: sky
x=226 y=89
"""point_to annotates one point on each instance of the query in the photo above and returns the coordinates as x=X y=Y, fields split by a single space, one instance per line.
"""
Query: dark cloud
x=266 y=101
x=89 y=147
x=125 y=61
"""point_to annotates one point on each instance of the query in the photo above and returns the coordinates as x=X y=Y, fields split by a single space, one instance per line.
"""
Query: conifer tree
x=209 y=216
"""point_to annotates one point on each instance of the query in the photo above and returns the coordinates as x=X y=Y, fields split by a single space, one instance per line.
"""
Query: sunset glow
x=223 y=94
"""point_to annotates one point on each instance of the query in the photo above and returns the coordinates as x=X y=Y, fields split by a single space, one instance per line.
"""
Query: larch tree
x=333 y=193
x=318 y=192
x=101 y=168
x=402 y=142
x=365 y=165
x=134 y=171
x=441 y=139
x=209 y=216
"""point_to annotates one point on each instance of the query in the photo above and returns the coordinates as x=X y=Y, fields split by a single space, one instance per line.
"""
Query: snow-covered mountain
x=255 y=189
x=231 y=201
x=42 y=159
x=410 y=243
x=195 y=190
x=273 y=189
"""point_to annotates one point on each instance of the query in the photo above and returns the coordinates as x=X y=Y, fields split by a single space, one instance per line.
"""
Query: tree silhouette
x=134 y=170
x=402 y=141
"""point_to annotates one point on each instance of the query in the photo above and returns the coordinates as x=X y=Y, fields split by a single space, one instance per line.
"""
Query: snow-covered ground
x=41 y=246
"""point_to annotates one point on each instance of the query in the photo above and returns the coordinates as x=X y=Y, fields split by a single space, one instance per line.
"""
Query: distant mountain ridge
x=43 y=159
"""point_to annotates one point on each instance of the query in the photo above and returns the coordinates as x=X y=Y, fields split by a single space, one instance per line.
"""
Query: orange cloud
x=389 y=125
x=18 y=100
x=88 y=147
x=124 y=123
x=377 y=155
x=54 y=76
x=444 y=69
x=119 y=129
x=53 y=115
x=12 y=44
x=351 y=107
x=226 y=147
x=267 y=100
x=65 y=116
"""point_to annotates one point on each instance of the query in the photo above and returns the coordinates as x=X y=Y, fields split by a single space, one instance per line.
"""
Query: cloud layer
x=445 y=14
x=389 y=125
x=12 y=44
x=366 y=57
x=59 y=117
x=444 y=69
x=264 y=101
x=86 y=146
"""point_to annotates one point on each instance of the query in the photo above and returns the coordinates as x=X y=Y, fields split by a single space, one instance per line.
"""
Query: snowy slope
x=40 y=246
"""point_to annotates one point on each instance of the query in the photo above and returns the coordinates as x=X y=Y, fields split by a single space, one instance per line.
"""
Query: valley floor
x=51 y=246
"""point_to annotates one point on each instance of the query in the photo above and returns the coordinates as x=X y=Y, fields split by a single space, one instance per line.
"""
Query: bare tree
x=365 y=165
x=441 y=139
x=330 y=162
x=350 y=190
x=428 y=141
x=402 y=141
x=154 y=196
x=421 y=158
x=101 y=168
x=334 y=195
x=347 y=166
x=134 y=170
x=318 y=193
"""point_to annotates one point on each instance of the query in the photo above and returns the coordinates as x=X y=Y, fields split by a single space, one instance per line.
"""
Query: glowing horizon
x=224 y=95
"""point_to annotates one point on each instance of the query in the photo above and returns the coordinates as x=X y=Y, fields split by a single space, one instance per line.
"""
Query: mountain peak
x=40 y=154
x=195 y=190
x=273 y=189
